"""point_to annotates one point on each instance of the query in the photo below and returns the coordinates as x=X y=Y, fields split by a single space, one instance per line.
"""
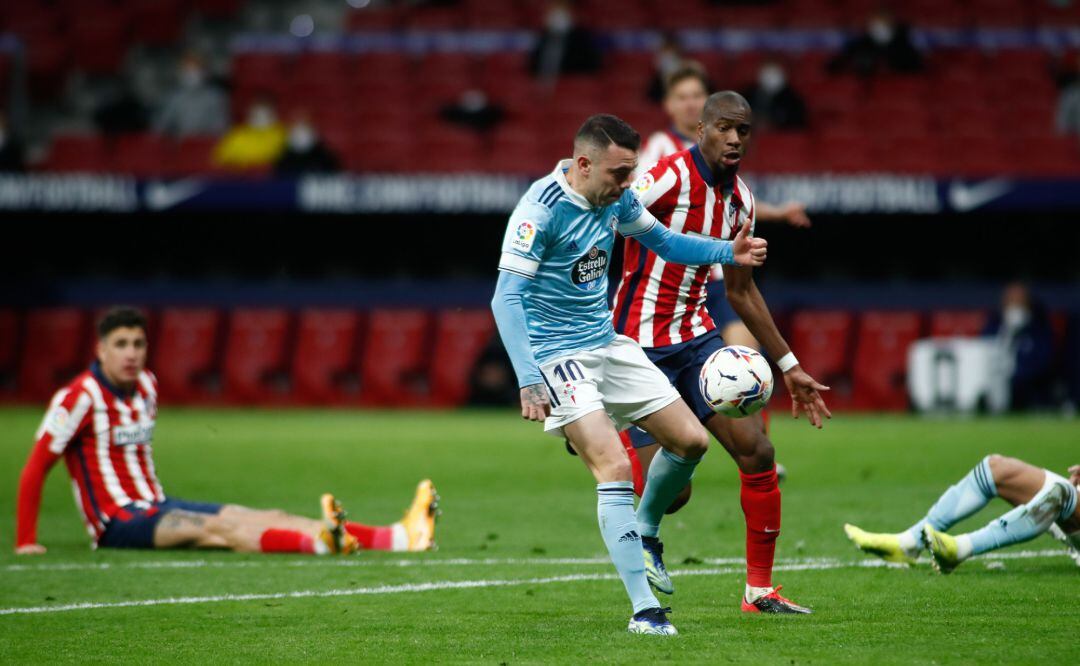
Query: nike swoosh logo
x=160 y=196
x=964 y=198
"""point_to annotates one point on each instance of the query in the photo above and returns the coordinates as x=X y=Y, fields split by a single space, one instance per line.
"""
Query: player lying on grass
x=551 y=308
x=662 y=305
x=101 y=424
x=1043 y=501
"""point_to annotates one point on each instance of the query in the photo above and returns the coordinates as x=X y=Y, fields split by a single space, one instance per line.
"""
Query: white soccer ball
x=736 y=381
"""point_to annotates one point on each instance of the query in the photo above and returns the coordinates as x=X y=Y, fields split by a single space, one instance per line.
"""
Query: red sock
x=371 y=538
x=761 y=506
x=635 y=462
x=286 y=541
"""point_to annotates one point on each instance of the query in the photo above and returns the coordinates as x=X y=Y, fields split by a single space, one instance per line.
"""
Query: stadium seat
x=880 y=371
x=9 y=352
x=55 y=351
x=185 y=355
x=394 y=359
x=460 y=336
x=821 y=340
x=957 y=323
x=256 y=356
x=323 y=366
x=77 y=153
x=143 y=155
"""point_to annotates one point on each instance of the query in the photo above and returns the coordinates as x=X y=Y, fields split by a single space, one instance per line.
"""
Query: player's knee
x=694 y=443
x=1001 y=466
x=614 y=469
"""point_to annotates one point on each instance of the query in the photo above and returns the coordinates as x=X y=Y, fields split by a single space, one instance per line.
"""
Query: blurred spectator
x=885 y=46
x=256 y=143
x=1027 y=340
x=473 y=110
x=304 y=150
x=668 y=59
x=11 y=149
x=1068 y=109
x=197 y=106
x=492 y=382
x=775 y=103
x=563 y=48
x=121 y=112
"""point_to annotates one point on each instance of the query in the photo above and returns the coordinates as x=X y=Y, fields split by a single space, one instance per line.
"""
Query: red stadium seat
x=56 y=349
x=185 y=355
x=323 y=363
x=821 y=341
x=256 y=356
x=957 y=323
x=77 y=153
x=460 y=337
x=9 y=352
x=193 y=155
x=394 y=359
x=881 y=349
x=143 y=155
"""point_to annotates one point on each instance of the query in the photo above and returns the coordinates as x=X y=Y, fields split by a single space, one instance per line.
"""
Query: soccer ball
x=736 y=381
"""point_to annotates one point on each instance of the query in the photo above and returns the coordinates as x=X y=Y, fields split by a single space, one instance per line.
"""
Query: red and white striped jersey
x=105 y=440
x=658 y=146
x=660 y=304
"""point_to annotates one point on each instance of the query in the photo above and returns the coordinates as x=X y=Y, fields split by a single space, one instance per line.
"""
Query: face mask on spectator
x=771 y=78
x=559 y=20
x=667 y=61
x=881 y=31
x=473 y=100
x=190 y=77
x=261 y=116
x=1015 y=316
x=301 y=137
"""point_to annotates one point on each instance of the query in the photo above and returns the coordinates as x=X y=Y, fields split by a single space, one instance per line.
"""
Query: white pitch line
x=420 y=561
x=821 y=564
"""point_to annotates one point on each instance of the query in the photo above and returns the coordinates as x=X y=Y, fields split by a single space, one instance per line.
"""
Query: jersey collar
x=706 y=173
x=559 y=174
x=95 y=369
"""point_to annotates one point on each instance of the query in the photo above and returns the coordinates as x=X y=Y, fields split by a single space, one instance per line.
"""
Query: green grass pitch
x=521 y=575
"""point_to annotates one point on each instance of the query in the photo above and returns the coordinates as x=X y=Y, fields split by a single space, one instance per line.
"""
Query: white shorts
x=617 y=378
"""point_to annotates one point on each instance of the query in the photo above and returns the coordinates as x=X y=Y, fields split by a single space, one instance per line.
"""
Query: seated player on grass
x=101 y=424
x=1043 y=501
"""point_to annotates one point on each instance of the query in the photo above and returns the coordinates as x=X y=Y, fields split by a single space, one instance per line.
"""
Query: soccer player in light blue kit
x=576 y=374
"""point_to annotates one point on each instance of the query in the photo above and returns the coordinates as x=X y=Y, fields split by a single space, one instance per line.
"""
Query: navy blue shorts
x=717 y=304
x=133 y=527
x=681 y=364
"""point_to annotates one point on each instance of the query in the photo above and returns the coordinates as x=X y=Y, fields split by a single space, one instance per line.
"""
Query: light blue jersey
x=551 y=299
x=563 y=244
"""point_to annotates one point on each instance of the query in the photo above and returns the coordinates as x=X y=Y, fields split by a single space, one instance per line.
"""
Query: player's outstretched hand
x=30 y=549
x=1074 y=475
x=806 y=395
x=535 y=405
x=794 y=214
x=749 y=251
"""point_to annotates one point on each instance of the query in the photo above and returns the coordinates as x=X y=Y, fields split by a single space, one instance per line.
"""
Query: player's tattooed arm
x=535 y=405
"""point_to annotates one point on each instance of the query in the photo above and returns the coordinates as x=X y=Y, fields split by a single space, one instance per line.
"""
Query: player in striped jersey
x=102 y=423
x=662 y=306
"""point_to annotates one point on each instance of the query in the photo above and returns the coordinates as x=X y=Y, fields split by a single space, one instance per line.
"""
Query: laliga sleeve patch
x=58 y=421
x=524 y=236
x=644 y=183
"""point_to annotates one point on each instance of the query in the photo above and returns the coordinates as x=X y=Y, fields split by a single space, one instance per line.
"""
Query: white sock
x=963 y=547
x=910 y=544
x=399 y=538
x=752 y=593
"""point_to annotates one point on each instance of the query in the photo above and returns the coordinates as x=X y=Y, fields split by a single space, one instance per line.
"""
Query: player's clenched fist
x=749 y=251
x=535 y=405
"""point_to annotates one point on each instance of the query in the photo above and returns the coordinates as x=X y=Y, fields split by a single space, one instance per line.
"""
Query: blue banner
x=494 y=194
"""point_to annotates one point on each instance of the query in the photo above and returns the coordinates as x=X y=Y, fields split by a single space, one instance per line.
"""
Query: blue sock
x=668 y=475
x=1024 y=522
x=618 y=526
x=958 y=502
